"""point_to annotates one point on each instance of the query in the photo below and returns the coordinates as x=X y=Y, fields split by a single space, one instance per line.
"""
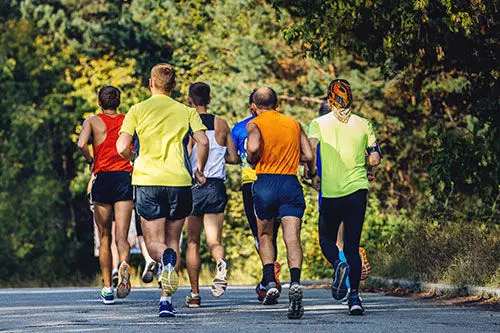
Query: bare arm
x=232 y=156
x=253 y=144
x=373 y=157
x=202 y=155
x=123 y=146
x=306 y=152
x=83 y=140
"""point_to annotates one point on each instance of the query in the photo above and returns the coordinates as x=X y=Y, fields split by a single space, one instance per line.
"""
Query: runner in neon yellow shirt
x=347 y=144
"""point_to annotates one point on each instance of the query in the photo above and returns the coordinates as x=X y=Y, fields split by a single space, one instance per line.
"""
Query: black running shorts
x=112 y=186
x=170 y=202
x=210 y=198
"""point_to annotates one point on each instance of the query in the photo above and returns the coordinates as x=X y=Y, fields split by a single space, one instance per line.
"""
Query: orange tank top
x=105 y=155
x=280 y=144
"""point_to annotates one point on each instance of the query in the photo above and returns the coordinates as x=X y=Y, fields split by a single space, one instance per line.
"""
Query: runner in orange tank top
x=276 y=146
x=111 y=190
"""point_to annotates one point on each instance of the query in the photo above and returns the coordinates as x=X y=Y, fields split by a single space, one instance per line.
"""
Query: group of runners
x=165 y=162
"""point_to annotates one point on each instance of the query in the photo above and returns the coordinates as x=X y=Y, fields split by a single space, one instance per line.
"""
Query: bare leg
x=266 y=247
x=123 y=214
x=340 y=237
x=213 y=230
x=193 y=262
x=160 y=234
x=114 y=249
x=102 y=215
x=144 y=249
x=291 y=236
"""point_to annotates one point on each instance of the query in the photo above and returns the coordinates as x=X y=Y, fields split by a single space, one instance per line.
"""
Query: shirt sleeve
x=314 y=130
x=236 y=137
x=130 y=122
x=195 y=121
x=372 y=140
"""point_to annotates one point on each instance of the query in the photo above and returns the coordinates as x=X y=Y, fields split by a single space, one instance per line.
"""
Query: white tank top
x=216 y=163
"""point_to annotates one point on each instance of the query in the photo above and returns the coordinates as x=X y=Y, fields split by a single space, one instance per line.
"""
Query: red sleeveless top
x=105 y=155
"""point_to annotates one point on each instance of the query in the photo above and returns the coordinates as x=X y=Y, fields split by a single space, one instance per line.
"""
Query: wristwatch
x=89 y=162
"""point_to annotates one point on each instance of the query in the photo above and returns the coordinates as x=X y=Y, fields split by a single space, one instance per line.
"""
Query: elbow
x=307 y=158
x=122 y=150
x=374 y=159
x=81 y=145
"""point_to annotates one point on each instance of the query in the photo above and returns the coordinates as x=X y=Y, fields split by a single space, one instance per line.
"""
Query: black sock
x=295 y=275
x=268 y=274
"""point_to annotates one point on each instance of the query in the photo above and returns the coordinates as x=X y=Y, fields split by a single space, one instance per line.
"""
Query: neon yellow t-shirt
x=342 y=153
x=162 y=126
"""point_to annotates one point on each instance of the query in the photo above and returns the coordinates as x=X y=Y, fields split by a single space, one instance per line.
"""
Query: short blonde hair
x=163 y=76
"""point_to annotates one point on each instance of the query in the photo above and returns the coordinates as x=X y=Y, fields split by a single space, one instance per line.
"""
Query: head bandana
x=340 y=99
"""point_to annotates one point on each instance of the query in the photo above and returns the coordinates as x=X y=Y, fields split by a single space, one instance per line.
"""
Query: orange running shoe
x=123 y=288
x=366 y=268
x=277 y=271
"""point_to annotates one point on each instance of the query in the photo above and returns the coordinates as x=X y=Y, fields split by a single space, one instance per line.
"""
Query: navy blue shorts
x=210 y=198
x=112 y=186
x=278 y=195
x=170 y=202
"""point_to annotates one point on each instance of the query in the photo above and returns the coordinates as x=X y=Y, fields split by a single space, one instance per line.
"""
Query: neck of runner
x=110 y=112
x=201 y=109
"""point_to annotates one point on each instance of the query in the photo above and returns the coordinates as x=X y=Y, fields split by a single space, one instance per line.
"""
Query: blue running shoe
x=108 y=297
x=354 y=303
x=166 y=309
x=339 y=286
x=169 y=278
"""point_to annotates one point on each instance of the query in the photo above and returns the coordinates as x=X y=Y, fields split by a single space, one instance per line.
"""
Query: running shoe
x=277 y=271
x=261 y=292
x=219 y=284
x=149 y=271
x=295 y=307
x=114 y=279
x=108 y=297
x=124 y=286
x=166 y=309
x=169 y=278
x=366 y=268
x=193 y=301
x=354 y=303
x=272 y=294
x=339 y=286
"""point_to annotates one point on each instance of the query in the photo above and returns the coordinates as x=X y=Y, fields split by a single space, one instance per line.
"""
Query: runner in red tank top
x=111 y=190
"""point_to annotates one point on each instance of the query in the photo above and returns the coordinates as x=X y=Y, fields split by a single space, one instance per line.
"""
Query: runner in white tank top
x=209 y=200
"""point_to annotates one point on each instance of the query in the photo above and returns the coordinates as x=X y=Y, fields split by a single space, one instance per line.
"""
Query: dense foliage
x=425 y=73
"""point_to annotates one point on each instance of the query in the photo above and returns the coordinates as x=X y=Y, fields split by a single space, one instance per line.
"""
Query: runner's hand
x=200 y=178
x=316 y=183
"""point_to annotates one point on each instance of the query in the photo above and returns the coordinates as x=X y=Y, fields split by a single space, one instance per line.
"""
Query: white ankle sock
x=108 y=289
x=194 y=295
x=166 y=298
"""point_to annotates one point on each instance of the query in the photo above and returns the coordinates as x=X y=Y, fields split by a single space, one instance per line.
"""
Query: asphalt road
x=80 y=310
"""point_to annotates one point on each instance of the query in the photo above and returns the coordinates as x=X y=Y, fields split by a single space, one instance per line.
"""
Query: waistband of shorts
x=215 y=180
x=114 y=172
x=275 y=175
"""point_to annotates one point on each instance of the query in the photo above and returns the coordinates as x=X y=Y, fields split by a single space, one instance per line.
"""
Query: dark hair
x=265 y=99
x=199 y=93
x=109 y=97
x=250 y=98
x=324 y=109
x=163 y=77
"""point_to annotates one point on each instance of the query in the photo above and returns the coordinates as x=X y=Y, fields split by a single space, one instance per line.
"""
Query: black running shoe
x=339 y=285
x=149 y=271
x=354 y=303
x=295 y=307
x=272 y=294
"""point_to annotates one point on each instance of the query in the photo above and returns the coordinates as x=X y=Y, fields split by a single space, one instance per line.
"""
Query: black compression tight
x=351 y=210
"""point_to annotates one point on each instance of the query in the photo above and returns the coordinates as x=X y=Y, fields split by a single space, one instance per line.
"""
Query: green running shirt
x=342 y=153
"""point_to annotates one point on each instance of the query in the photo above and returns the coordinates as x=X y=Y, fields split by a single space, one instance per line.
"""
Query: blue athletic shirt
x=240 y=135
